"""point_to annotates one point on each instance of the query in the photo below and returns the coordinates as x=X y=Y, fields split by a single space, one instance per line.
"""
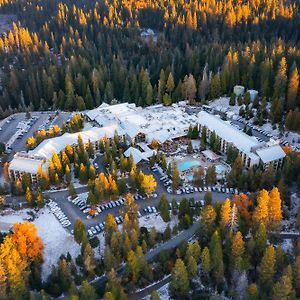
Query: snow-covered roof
x=210 y=154
x=224 y=130
x=136 y=154
x=156 y=121
x=57 y=144
x=271 y=153
x=26 y=163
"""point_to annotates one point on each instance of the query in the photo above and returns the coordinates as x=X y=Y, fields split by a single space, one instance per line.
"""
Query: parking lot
x=16 y=129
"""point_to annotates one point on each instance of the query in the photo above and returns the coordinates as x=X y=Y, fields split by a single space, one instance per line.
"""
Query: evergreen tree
x=163 y=207
x=179 y=285
x=267 y=268
x=217 y=266
x=87 y=291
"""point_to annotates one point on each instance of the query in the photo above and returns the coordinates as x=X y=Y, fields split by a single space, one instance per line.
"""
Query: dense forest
x=77 y=54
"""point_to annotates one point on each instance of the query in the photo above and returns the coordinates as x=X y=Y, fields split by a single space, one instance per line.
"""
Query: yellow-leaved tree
x=225 y=213
x=17 y=251
x=275 y=212
x=261 y=212
x=148 y=184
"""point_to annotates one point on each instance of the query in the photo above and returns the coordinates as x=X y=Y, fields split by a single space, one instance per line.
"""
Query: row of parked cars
x=56 y=210
x=217 y=189
x=85 y=208
x=96 y=229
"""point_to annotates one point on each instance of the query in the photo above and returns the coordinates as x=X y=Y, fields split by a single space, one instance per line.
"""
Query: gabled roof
x=270 y=153
x=136 y=154
x=57 y=144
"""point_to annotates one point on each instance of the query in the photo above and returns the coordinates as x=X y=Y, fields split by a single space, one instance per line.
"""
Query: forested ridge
x=77 y=54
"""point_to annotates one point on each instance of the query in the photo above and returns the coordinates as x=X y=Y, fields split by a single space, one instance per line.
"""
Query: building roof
x=26 y=163
x=210 y=155
x=224 y=130
x=271 y=153
x=157 y=121
x=136 y=154
x=57 y=144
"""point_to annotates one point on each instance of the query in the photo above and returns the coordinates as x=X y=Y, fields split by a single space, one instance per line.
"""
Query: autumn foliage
x=18 y=250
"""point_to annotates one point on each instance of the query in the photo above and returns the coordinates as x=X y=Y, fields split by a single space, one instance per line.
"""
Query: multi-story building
x=250 y=149
x=40 y=156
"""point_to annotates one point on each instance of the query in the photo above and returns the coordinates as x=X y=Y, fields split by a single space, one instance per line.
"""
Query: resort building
x=155 y=122
x=141 y=126
x=40 y=156
x=26 y=163
x=250 y=149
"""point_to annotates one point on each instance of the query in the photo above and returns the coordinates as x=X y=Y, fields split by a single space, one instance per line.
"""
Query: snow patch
x=155 y=220
x=9 y=217
x=56 y=239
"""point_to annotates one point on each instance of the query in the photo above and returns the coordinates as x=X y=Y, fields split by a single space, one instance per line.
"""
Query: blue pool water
x=187 y=164
x=220 y=169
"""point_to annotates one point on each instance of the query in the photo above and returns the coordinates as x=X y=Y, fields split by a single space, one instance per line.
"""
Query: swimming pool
x=187 y=164
x=220 y=169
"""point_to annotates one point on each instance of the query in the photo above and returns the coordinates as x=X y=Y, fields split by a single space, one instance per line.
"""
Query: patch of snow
x=222 y=104
x=99 y=251
x=155 y=220
x=287 y=245
x=57 y=240
x=163 y=293
x=9 y=217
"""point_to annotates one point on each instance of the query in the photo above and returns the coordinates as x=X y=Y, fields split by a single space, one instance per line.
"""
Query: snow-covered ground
x=155 y=220
x=287 y=245
x=56 y=239
x=222 y=104
x=163 y=293
x=99 y=251
x=9 y=217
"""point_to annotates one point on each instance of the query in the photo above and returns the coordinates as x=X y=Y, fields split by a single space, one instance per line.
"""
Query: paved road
x=72 y=211
x=148 y=290
x=150 y=255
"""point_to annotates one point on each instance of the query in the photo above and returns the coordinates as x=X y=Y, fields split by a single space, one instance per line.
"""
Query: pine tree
x=175 y=176
x=216 y=252
x=132 y=267
x=163 y=207
x=267 y=268
x=154 y=296
x=253 y=292
x=284 y=289
x=40 y=199
x=237 y=249
x=260 y=240
x=29 y=196
x=179 y=285
x=89 y=263
x=296 y=275
x=194 y=250
x=87 y=291
x=192 y=267
x=206 y=261
x=293 y=89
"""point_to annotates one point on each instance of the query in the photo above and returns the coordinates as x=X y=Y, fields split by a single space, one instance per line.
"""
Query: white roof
x=57 y=144
x=156 y=121
x=271 y=153
x=210 y=154
x=27 y=164
x=136 y=154
x=224 y=130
